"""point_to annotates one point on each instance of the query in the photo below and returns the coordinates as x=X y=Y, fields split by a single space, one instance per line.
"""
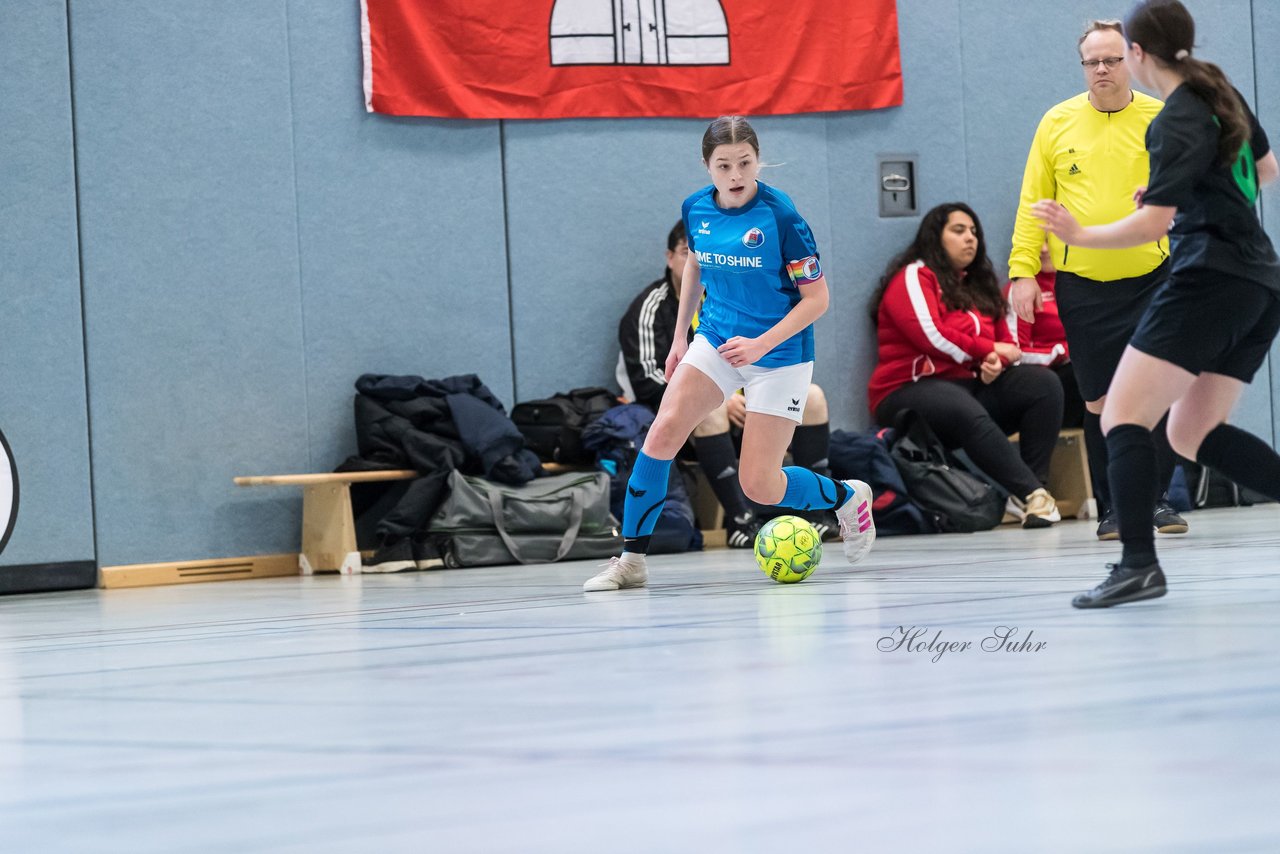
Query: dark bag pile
x=553 y=427
x=959 y=501
x=866 y=456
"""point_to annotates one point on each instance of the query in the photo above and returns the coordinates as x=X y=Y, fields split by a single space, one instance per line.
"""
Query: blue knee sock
x=807 y=490
x=646 y=493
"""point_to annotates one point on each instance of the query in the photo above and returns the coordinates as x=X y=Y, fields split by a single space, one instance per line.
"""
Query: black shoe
x=1124 y=584
x=741 y=531
x=426 y=554
x=1109 y=526
x=393 y=555
x=1167 y=520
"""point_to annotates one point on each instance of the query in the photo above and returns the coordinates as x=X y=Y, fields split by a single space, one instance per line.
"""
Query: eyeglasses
x=1109 y=62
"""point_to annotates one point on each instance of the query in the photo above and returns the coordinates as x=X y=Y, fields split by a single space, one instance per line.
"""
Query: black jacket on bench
x=433 y=427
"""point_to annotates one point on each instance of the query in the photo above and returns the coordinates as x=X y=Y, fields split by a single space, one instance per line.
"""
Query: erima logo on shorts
x=718 y=260
x=753 y=239
x=795 y=405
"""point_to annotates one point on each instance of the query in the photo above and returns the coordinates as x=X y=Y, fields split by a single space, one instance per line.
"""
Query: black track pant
x=978 y=418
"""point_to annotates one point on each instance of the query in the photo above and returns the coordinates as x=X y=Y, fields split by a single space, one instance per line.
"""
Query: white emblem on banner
x=609 y=32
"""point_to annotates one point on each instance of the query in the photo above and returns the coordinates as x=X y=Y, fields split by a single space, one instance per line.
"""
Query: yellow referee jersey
x=1091 y=162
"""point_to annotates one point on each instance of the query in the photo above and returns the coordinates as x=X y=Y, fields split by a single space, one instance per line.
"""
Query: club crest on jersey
x=753 y=239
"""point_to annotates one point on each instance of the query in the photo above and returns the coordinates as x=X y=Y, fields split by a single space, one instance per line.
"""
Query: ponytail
x=1167 y=32
x=1209 y=82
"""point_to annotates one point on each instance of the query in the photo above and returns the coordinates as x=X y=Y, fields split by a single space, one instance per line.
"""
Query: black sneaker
x=1109 y=526
x=426 y=554
x=1124 y=584
x=393 y=555
x=1167 y=520
x=741 y=531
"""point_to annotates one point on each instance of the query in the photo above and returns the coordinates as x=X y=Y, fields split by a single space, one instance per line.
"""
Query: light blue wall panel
x=189 y=238
x=929 y=125
x=400 y=228
x=1266 y=45
x=1224 y=35
x=589 y=205
x=42 y=391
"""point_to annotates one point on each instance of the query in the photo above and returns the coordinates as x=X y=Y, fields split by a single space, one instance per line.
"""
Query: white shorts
x=771 y=391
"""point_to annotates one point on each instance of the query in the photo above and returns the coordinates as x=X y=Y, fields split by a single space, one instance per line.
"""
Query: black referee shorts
x=1207 y=323
x=1099 y=319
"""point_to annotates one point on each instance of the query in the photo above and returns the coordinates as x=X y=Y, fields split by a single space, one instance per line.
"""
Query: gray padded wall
x=189 y=234
x=930 y=125
x=589 y=205
x=1266 y=38
x=1224 y=35
x=404 y=267
x=42 y=389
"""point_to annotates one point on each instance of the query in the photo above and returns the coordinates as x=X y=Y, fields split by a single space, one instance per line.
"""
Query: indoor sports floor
x=495 y=710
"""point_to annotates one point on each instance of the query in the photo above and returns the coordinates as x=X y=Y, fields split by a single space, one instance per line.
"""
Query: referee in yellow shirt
x=1089 y=153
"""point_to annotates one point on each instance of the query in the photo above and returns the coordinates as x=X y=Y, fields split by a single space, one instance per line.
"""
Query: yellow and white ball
x=788 y=549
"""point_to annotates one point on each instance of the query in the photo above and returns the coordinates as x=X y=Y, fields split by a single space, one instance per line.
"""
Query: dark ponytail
x=1166 y=30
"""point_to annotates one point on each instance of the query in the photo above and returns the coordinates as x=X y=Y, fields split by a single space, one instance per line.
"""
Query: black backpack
x=959 y=502
x=553 y=427
x=1212 y=488
x=865 y=456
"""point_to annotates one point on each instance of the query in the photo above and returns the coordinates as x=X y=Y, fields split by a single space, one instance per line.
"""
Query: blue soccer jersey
x=752 y=258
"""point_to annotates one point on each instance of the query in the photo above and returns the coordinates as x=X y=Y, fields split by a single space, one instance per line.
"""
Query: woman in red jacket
x=945 y=351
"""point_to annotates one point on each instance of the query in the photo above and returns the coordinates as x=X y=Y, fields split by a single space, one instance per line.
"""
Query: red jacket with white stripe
x=1042 y=342
x=920 y=336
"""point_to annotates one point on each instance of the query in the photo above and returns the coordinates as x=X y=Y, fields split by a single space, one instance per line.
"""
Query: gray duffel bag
x=562 y=517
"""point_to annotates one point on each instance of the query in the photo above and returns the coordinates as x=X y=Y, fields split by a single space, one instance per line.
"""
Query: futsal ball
x=788 y=549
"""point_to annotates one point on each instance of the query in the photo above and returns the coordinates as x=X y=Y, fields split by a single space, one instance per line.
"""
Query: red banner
x=542 y=59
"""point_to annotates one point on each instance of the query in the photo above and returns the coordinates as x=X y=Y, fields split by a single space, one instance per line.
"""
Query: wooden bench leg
x=328 y=530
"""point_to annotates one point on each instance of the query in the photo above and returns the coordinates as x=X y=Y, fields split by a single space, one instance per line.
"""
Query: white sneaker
x=622 y=572
x=857 y=528
x=1014 y=510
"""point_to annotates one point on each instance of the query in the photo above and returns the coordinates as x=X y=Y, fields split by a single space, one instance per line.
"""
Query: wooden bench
x=328 y=526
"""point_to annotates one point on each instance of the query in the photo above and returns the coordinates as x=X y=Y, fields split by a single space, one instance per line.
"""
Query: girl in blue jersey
x=1210 y=326
x=755 y=258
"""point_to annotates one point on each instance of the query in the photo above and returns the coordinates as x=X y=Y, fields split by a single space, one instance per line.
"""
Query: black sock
x=1095 y=446
x=1166 y=459
x=810 y=446
x=1243 y=457
x=1132 y=476
x=637 y=545
x=719 y=462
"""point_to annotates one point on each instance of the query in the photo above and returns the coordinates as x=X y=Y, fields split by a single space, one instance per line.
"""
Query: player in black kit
x=1208 y=329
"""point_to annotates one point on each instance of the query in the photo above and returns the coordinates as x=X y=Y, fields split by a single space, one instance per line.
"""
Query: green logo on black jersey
x=1245 y=173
